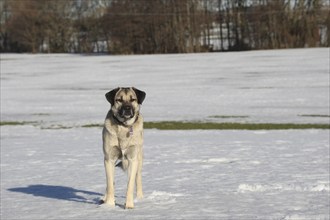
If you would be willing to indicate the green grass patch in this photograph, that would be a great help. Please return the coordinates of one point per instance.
(228, 116)
(180, 125)
(41, 114)
(177, 125)
(57, 127)
(15, 123)
(92, 125)
(316, 116)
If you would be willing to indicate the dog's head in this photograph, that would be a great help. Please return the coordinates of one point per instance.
(125, 103)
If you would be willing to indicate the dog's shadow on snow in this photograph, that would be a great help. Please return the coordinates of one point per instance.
(59, 192)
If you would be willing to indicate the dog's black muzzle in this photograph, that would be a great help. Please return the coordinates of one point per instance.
(126, 111)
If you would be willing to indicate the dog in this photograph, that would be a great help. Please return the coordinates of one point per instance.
(123, 140)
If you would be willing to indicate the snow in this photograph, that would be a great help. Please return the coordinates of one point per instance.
(198, 174)
(58, 174)
(279, 86)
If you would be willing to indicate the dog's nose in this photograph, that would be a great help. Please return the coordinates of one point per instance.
(126, 110)
(127, 107)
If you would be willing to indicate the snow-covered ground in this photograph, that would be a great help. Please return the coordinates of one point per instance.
(199, 174)
(58, 174)
(277, 86)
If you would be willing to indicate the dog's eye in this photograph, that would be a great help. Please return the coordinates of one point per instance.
(133, 100)
(119, 100)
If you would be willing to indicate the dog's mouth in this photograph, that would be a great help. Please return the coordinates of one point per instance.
(126, 112)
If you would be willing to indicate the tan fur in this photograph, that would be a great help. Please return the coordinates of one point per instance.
(123, 140)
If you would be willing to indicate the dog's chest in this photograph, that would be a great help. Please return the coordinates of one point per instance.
(125, 137)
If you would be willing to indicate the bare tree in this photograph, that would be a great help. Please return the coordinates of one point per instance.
(154, 26)
(161, 26)
(4, 17)
(26, 25)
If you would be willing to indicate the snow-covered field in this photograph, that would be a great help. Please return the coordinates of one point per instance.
(277, 86)
(198, 174)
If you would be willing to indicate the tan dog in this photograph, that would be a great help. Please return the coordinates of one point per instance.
(123, 139)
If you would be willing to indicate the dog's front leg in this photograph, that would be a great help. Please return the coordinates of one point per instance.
(139, 192)
(132, 171)
(109, 197)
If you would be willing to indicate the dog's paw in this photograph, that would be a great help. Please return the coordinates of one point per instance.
(129, 206)
(139, 195)
(107, 202)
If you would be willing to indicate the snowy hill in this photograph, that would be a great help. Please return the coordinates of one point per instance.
(262, 86)
(198, 174)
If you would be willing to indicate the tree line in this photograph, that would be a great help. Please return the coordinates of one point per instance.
(161, 26)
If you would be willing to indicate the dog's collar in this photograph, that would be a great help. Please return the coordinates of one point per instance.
(125, 125)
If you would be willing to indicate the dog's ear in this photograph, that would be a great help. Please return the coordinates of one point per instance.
(140, 95)
(111, 95)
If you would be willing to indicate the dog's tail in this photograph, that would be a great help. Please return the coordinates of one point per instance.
(123, 164)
